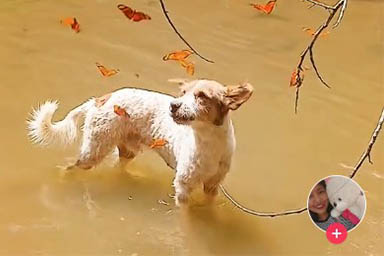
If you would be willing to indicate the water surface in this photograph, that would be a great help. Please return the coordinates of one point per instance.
(279, 156)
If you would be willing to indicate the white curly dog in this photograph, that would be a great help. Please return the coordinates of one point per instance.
(196, 126)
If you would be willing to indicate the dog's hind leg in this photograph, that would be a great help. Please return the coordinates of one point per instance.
(92, 153)
(95, 147)
(125, 155)
(128, 149)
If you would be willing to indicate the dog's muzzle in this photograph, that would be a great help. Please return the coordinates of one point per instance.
(179, 118)
(174, 106)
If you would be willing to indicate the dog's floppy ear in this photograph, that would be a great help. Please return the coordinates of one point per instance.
(236, 95)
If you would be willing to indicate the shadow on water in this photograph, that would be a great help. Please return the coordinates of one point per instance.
(220, 232)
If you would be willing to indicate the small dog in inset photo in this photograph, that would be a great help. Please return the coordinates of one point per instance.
(195, 130)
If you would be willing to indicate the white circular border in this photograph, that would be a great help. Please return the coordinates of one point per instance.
(365, 199)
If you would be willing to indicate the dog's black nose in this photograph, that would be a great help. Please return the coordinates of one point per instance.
(174, 106)
(334, 204)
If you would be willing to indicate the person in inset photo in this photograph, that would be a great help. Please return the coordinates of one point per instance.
(336, 199)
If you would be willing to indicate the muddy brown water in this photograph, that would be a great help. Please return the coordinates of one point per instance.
(279, 156)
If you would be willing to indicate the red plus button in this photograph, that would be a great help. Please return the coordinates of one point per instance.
(336, 233)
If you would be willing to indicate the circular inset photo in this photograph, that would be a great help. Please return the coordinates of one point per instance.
(336, 199)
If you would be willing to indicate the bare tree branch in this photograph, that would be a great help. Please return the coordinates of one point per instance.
(367, 153)
(332, 11)
(341, 14)
(298, 211)
(178, 33)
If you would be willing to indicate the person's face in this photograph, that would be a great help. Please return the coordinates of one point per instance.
(318, 200)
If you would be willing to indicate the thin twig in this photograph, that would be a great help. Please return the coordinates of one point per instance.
(315, 68)
(367, 153)
(332, 11)
(180, 36)
(313, 2)
(260, 214)
(298, 211)
(296, 98)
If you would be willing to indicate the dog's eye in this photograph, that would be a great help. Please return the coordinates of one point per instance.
(339, 199)
(201, 95)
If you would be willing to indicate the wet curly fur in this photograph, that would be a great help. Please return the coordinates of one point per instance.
(196, 125)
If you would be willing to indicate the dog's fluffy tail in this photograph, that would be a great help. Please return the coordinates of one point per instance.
(42, 131)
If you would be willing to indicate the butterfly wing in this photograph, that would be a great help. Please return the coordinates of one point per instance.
(268, 8)
(158, 143)
(190, 69)
(67, 21)
(189, 66)
(120, 111)
(106, 72)
(112, 72)
(171, 56)
(102, 69)
(128, 12)
(75, 25)
(71, 22)
(258, 7)
(139, 16)
(181, 55)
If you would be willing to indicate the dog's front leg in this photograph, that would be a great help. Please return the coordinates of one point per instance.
(211, 185)
(187, 178)
(182, 189)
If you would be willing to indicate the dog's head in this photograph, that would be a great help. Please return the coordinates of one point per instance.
(207, 101)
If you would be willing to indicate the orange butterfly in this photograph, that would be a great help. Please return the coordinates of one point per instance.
(296, 78)
(106, 72)
(268, 8)
(133, 14)
(181, 55)
(120, 111)
(312, 32)
(102, 100)
(72, 22)
(157, 143)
